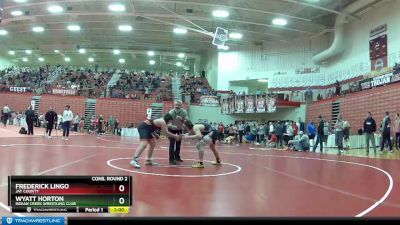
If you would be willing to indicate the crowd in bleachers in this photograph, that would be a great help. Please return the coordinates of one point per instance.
(195, 87)
(24, 77)
(143, 85)
(93, 83)
(85, 81)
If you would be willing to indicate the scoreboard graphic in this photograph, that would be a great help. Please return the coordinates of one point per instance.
(74, 194)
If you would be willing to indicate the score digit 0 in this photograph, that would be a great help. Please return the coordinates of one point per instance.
(121, 201)
(121, 188)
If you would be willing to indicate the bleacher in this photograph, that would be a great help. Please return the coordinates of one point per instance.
(102, 84)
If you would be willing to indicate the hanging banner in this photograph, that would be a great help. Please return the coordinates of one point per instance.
(225, 106)
(260, 102)
(250, 104)
(239, 104)
(271, 104)
(232, 108)
(378, 53)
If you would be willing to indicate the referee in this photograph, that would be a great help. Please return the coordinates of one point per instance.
(179, 115)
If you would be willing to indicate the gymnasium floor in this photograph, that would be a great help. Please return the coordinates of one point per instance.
(252, 182)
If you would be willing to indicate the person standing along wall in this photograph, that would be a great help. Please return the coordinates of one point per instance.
(320, 135)
(385, 130)
(370, 129)
(241, 131)
(30, 115)
(326, 133)
(301, 125)
(6, 114)
(311, 132)
(51, 118)
(346, 134)
(279, 134)
(339, 134)
(67, 118)
(111, 125)
(396, 131)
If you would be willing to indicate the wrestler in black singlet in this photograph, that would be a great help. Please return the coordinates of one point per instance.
(208, 129)
(146, 131)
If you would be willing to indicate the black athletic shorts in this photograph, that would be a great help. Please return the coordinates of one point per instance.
(214, 136)
(146, 131)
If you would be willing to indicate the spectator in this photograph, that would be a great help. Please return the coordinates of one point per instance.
(385, 130)
(311, 131)
(260, 134)
(346, 134)
(81, 124)
(301, 143)
(320, 134)
(67, 118)
(339, 134)
(6, 114)
(301, 125)
(30, 115)
(76, 121)
(51, 118)
(273, 141)
(370, 129)
(396, 130)
(221, 130)
(289, 132)
(337, 88)
(326, 132)
(100, 125)
(111, 124)
(279, 130)
(241, 131)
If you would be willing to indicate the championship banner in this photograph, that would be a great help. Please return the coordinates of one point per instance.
(209, 101)
(260, 102)
(18, 89)
(378, 53)
(61, 91)
(239, 104)
(231, 102)
(225, 107)
(250, 104)
(271, 104)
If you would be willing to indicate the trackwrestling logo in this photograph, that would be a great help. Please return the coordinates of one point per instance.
(33, 220)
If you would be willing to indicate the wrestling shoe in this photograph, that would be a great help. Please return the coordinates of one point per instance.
(135, 164)
(151, 163)
(216, 163)
(198, 165)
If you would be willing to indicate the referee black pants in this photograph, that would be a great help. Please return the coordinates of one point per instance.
(174, 146)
